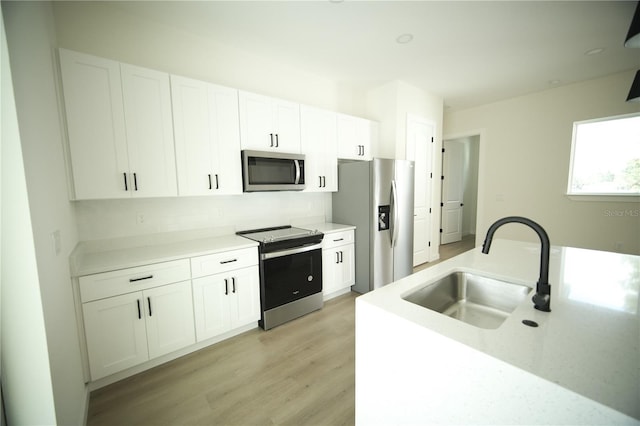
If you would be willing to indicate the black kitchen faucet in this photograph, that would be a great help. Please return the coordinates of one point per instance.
(542, 298)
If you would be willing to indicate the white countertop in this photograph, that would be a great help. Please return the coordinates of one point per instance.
(96, 257)
(590, 341)
(92, 257)
(328, 227)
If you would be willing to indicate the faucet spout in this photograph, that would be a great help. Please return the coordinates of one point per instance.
(542, 298)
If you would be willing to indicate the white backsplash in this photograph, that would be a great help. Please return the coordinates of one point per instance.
(105, 219)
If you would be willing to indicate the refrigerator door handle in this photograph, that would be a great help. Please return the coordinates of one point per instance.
(394, 212)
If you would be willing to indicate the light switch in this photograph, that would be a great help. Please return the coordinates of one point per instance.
(55, 240)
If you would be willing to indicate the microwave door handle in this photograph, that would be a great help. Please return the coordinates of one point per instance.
(297, 163)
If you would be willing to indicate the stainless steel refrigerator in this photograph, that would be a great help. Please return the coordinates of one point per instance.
(377, 197)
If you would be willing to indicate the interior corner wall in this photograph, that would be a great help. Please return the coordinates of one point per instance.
(525, 155)
(26, 377)
(31, 45)
(382, 106)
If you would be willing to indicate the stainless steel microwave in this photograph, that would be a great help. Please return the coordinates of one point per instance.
(272, 171)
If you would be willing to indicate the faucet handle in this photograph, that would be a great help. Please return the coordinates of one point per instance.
(542, 302)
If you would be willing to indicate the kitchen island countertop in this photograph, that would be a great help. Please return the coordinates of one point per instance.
(581, 365)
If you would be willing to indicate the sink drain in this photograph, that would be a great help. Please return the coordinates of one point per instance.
(530, 323)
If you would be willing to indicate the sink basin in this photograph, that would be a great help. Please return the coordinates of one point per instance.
(480, 301)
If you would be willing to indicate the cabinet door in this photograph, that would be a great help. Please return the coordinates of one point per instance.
(149, 127)
(256, 122)
(347, 276)
(95, 122)
(211, 305)
(207, 137)
(338, 268)
(354, 137)
(169, 311)
(319, 144)
(223, 119)
(246, 301)
(286, 118)
(194, 148)
(116, 334)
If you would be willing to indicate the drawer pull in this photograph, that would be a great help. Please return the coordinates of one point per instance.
(226, 286)
(222, 262)
(133, 280)
(149, 303)
(139, 313)
(339, 239)
(233, 282)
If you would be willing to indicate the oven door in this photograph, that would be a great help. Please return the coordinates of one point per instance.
(290, 275)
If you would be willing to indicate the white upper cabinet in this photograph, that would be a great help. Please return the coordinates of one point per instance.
(207, 138)
(95, 124)
(147, 113)
(269, 124)
(355, 137)
(120, 128)
(319, 145)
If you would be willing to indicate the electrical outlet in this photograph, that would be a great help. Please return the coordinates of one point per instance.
(140, 219)
(618, 246)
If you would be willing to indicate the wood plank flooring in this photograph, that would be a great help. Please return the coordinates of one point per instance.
(300, 373)
(448, 251)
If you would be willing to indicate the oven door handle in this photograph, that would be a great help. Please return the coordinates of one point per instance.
(295, 250)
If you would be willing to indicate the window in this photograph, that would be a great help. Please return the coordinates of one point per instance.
(605, 157)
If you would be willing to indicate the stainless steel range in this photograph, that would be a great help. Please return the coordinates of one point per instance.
(290, 272)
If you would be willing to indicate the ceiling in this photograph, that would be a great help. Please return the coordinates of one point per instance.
(470, 53)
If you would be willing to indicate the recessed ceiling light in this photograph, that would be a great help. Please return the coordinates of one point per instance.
(555, 82)
(594, 51)
(404, 38)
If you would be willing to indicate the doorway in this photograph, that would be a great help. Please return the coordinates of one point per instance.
(460, 161)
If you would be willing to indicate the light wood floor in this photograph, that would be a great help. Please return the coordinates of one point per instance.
(300, 373)
(448, 251)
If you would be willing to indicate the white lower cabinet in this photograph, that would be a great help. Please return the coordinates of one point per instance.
(126, 330)
(226, 301)
(338, 262)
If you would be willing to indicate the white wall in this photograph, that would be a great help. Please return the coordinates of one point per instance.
(31, 43)
(524, 164)
(221, 215)
(26, 376)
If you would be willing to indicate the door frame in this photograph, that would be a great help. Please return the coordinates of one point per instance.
(480, 207)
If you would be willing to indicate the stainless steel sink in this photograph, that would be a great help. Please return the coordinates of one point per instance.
(480, 301)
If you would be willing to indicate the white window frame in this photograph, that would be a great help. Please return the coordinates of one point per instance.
(583, 196)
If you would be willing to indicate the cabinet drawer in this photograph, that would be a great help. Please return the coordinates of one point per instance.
(99, 286)
(336, 239)
(221, 262)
